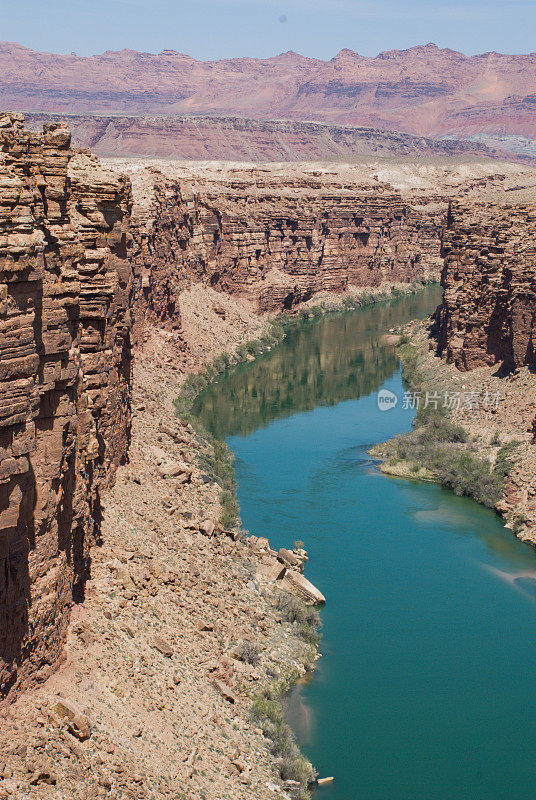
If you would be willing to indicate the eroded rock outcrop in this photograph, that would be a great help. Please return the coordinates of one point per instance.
(277, 243)
(65, 367)
(488, 314)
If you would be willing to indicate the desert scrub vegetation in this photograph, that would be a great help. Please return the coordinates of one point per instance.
(218, 461)
(305, 618)
(442, 449)
(248, 652)
(519, 522)
(267, 712)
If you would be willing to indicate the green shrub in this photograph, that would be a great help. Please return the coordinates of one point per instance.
(265, 708)
(293, 609)
(435, 427)
(222, 362)
(309, 633)
(218, 461)
(241, 351)
(254, 347)
(230, 509)
(496, 439)
(277, 331)
(306, 618)
(296, 768)
(520, 521)
(504, 460)
(467, 474)
(267, 712)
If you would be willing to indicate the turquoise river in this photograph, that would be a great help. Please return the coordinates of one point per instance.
(426, 688)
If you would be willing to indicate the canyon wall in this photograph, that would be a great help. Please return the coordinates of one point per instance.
(277, 243)
(65, 367)
(240, 139)
(69, 296)
(81, 272)
(78, 278)
(488, 314)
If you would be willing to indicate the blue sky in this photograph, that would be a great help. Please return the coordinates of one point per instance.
(210, 29)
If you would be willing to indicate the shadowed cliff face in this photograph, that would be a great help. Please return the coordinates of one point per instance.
(65, 368)
(488, 314)
(321, 363)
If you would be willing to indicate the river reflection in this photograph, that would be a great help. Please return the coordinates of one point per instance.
(321, 363)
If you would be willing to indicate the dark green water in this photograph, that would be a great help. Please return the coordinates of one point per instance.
(426, 688)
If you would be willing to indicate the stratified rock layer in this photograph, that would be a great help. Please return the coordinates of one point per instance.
(424, 90)
(488, 314)
(279, 243)
(240, 139)
(65, 370)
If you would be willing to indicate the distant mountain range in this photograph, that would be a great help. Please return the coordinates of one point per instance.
(424, 90)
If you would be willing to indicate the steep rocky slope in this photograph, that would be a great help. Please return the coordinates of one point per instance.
(239, 139)
(424, 90)
(169, 602)
(65, 375)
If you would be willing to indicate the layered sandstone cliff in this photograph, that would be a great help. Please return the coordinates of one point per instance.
(278, 234)
(278, 242)
(488, 314)
(65, 365)
(486, 327)
(242, 139)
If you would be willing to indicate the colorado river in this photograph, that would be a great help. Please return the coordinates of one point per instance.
(425, 689)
